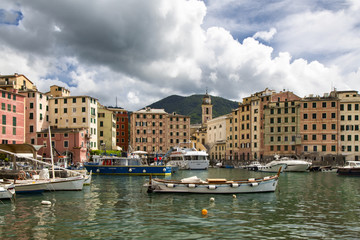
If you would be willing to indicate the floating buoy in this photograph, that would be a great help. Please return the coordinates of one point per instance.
(212, 199)
(204, 212)
(234, 196)
(44, 202)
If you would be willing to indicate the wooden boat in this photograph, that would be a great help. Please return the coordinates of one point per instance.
(218, 185)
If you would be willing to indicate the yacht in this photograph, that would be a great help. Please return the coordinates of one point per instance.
(188, 158)
(292, 165)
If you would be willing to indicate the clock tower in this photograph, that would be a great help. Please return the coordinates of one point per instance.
(206, 108)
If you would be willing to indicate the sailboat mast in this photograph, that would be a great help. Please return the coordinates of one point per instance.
(51, 154)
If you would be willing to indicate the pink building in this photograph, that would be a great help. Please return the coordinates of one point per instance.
(71, 142)
(12, 117)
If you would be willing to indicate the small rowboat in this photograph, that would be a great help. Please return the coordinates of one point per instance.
(218, 185)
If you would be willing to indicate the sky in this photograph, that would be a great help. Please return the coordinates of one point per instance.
(131, 53)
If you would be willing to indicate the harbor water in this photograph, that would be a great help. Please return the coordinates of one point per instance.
(305, 205)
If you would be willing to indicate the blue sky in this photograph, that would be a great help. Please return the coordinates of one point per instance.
(140, 51)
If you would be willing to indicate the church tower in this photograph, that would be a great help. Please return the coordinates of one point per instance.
(206, 108)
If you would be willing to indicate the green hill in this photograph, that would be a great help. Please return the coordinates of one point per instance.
(191, 106)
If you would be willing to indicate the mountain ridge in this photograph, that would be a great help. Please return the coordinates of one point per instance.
(191, 106)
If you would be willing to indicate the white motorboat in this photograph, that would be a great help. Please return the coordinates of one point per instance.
(351, 168)
(293, 165)
(218, 185)
(188, 158)
(272, 167)
(7, 191)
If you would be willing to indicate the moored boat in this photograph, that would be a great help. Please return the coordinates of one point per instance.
(188, 159)
(218, 185)
(7, 191)
(113, 165)
(351, 168)
(293, 165)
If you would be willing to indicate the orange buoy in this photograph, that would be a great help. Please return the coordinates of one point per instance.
(204, 212)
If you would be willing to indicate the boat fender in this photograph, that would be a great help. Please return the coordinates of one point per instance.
(212, 187)
(97, 170)
(164, 169)
(266, 178)
(44, 202)
(130, 170)
(191, 185)
(212, 199)
(254, 184)
(144, 171)
(170, 185)
(251, 179)
(234, 185)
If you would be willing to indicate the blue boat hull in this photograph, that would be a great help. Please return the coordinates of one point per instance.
(128, 170)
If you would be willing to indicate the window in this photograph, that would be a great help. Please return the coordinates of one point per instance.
(14, 122)
(324, 115)
(66, 144)
(314, 116)
(305, 116)
(74, 100)
(4, 119)
(314, 104)
(74, 119)
(83, 109)
(349, 107)
(65, 110)
(305, 105)
(324, 137)
(324, 104)
(56, 110)
(31, 128)
(31, 116)
(314, 126)
(3, 106)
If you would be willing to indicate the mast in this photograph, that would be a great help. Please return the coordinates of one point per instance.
(51, 154)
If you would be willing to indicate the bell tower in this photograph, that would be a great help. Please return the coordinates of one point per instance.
(206, 108)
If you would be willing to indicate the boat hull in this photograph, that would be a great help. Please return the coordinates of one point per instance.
(272, 168)
(297, 168)
(29, 186)
(128, 170)
(231, 188)
(349, 171)
(66, 184)
(7, 192)
(190, 164)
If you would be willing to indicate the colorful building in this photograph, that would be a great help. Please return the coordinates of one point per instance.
(106, 128)
(70, 142)
(12, 114)
(155, 131)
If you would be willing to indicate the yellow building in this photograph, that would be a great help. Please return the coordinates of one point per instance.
(16, 81)
(106, 128)
(75, 112)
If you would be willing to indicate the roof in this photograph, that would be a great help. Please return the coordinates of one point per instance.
(20, 148)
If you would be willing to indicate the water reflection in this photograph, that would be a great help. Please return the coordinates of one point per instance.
(306, 205)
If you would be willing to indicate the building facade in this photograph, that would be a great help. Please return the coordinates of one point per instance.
(155, 131)
(12, 114)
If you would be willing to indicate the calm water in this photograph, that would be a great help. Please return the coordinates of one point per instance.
(305, 205)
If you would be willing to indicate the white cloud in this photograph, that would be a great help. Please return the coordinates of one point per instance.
(266, 36)
(158, 48)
